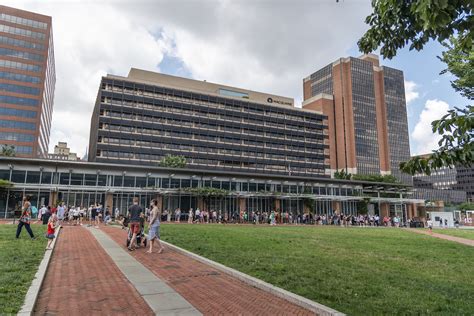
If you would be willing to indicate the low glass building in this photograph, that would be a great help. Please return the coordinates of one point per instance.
(78, 183)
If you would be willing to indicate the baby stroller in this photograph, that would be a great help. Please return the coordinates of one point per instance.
(140, 236)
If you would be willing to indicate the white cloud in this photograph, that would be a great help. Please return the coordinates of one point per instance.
(262, 45)
(411, 92)
(424, 139)
(90, 41)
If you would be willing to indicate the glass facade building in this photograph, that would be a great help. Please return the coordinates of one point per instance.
(78, 183)
(141, 118)
(367, 117)
(27, 81)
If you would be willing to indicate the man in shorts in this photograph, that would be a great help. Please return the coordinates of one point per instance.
(134, 212)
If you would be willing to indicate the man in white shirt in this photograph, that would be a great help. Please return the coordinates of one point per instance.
(42, 211)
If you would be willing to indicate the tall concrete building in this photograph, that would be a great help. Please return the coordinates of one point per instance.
(145, 116)
(367, 117)
(27, 81)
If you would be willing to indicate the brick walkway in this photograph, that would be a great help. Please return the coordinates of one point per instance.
(208, 289)
(83, 280)
(445, 237)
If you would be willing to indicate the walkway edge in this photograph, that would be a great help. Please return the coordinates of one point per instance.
(317, 308)
(35, 287)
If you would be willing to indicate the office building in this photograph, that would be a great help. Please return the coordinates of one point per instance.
(452, 185)
(82, 183)
(145, 116)
(367, 117)
(465, 181)
(27, 81)
(62, 152)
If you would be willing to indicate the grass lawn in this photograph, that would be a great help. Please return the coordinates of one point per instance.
(19, 260)
(463, 233)
(354, 270)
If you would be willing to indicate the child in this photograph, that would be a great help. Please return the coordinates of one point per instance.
(430, 225)
(51, 228)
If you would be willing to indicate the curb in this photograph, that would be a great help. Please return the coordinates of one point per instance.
(317, 308)
(35, 287)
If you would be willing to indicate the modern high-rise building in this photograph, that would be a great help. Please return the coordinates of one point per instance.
(27, 81)
(141, 118)
(367, 117)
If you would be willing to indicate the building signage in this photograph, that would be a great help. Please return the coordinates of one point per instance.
(271, 100)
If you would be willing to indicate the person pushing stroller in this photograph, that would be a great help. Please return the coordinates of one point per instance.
(135, 215)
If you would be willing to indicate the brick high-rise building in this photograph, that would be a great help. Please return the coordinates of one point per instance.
(27, 81)
(367, 117)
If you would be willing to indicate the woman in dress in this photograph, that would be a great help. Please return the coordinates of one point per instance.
(25, 218)
(154, 233)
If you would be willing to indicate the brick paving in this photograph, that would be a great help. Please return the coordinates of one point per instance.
(83, 280)
(208, 289)
(460, 240)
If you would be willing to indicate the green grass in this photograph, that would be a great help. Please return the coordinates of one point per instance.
(19, 260)
(354, 270)
(463, 233)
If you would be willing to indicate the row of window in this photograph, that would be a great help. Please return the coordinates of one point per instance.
(193, 114)
(24, 150)
(19, 89)
(20, 66)
(215, 127)
(88, 179)
(17, 137)
(196, 135)
(16, 112)
(23, 21)
(18, 101)
(20, 54)
(243, 153)
(207, 162)
(20, 43)
(22, 32)
(17, 125)
(227, 104)
(19, 77)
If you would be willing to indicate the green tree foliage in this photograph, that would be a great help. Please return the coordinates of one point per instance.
(375, 178)
(172, 161)
(395, 24)
(208, 191)
(466, 206)
(5, 184)
(456, 143)
(343, 175)
(7, 151)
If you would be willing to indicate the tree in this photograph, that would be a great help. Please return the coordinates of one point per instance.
(171, 161)
(7, 151)
(343, 175)
(395, 24)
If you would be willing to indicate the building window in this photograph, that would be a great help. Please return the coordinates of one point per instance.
(21, 32)
(20, 43)
(18, 125)
(8, 87)
(232, 93)
(17, 65)
(19, 54)
(23, 21)
(19, 77)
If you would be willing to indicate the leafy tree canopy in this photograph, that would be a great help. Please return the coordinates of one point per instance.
(395, 24)
(172, 161)
(7, 151)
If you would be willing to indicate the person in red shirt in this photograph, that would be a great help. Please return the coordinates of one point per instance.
(52, 225)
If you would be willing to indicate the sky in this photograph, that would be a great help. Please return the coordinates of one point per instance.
(263, 45)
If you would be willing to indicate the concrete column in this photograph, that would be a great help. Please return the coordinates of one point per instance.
(384, 210)
(159, 201)
(109, 202)
(242, 204)
(200, 203)
(277, 204)
(53, 198)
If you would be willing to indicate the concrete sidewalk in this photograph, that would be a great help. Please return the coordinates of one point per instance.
(460, 240)
(206, 288)
(161, 298)
(83, 280)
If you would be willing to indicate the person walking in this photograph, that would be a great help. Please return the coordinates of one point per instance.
(134, 212)
(154, 233)
(52, 225)
(25, 218)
